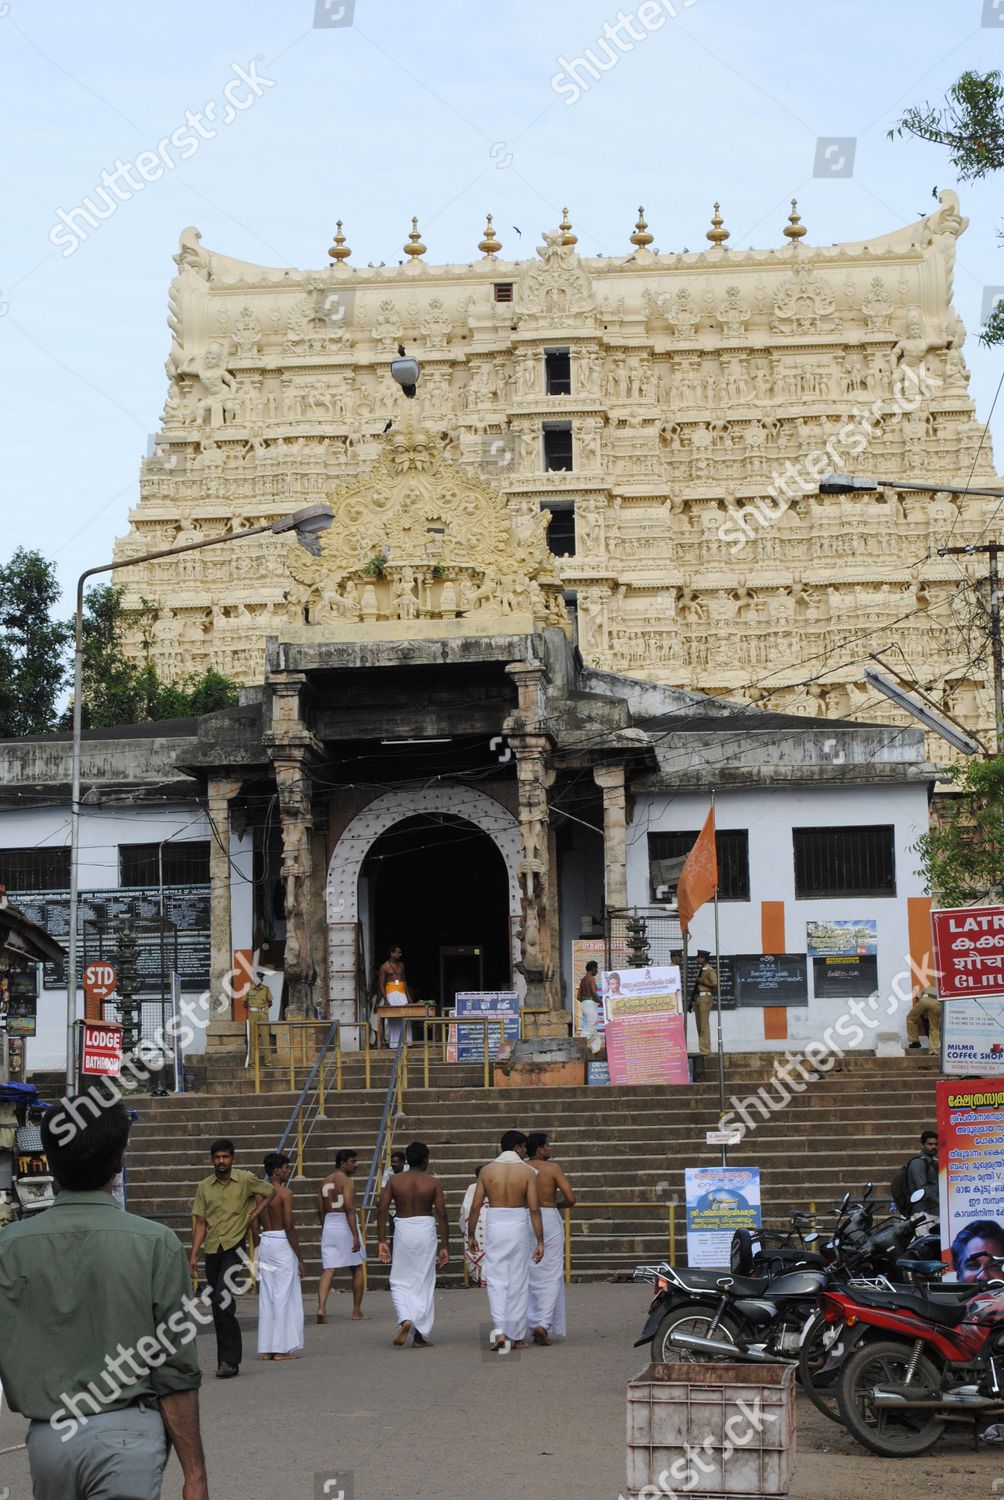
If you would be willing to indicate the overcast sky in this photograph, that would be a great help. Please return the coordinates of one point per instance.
(445, 110)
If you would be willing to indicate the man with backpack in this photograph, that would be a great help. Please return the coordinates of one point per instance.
(920, 1171)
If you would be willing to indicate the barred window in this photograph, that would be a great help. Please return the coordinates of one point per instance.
(733, 849)
(35, 869)
(183, 863)
(858, 861)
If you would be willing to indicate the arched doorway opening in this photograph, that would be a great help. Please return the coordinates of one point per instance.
(437, 884)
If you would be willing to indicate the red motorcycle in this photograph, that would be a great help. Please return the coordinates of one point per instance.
(907, 1363)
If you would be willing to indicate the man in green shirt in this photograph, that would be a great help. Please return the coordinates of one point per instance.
(224, 1206)
(98, 1326)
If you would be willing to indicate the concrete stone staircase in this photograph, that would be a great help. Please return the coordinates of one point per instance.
(626, 1147)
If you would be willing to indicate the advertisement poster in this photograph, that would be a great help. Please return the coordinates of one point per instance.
(857, 937)
(496, 1005)
(642, 992)
(22, 1001)
(584, 950)
(972, 1037)
(969, 951)
(720, 1200)
(971, 1172)
(647, 1049)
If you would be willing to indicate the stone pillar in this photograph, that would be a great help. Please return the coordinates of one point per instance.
(610, 779)
(536, 873)
(292, 748)
(225, 1034)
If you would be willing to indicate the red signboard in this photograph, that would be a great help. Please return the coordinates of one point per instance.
(969, 951)
(100, 980)
(101, 1049)
(647, 1049)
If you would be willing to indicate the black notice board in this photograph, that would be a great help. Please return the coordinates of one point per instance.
(726, 979)
(853, 977)
(772, 979)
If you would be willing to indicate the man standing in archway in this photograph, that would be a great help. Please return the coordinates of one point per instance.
(394, 990)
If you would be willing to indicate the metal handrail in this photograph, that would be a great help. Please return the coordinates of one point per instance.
(382, 1138)
(316, 1081)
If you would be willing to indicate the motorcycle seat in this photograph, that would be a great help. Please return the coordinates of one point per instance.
(948, 1311)
(724, 1281)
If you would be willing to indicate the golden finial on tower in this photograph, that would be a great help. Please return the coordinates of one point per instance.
(339, 250)
(641, 236)
(717, 234)
(414, 246)
(794, 229)
(489, 244)
(567, 237)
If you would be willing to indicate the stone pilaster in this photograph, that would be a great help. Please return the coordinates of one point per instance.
(610, 779)
(225, 1033)
(292, 748)
(530, 745)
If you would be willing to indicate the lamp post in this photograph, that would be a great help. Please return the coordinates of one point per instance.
(306, 522)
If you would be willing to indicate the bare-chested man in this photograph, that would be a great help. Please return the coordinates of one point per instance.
(341, 1244)
(511, 1189)
(420, 1224)
(393, 987)
(280, 1266)
(546, 1314)
(588, 997)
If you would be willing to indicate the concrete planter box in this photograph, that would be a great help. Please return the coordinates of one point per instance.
(711, 1430)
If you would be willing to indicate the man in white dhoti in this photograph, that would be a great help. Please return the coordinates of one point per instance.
(341, 1242)
(511, 1189)
(394, 990)
(421, 1244)
(546, 1314)
(280, 1267)
(474, 1259)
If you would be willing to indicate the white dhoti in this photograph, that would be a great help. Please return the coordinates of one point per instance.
(395, 1028)
(547, 1276)
(413, 1271)
(336, 1243)
(280, 1299)
(507, 1269)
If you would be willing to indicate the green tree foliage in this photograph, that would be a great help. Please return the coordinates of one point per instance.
(961, 855)
(32, 645)
(118, 690)
(970, 123)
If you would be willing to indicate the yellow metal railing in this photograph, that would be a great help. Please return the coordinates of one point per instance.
(292, 1028)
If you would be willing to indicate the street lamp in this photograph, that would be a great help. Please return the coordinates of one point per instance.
(850, 484)
(306, 522)
(955, 735)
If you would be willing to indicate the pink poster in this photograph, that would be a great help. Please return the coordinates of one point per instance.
(648, 1049)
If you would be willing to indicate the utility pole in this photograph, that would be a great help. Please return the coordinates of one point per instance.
(992, 551)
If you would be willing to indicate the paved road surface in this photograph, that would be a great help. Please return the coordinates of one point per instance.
(454, 1422)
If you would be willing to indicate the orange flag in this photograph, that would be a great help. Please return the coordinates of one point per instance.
(699, 876)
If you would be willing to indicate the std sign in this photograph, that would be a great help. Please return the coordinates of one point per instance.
(101, 1050)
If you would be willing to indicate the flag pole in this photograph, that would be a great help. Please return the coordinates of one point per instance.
(718, 999)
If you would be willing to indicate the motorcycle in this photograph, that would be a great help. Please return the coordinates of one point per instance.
(907, 1363)
(708, 1315)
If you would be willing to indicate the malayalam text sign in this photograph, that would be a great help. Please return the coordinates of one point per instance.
(971, 1163)
(720, 1200)
(652, 990)
(972, 1037)
(969, 951)
(647, 1049)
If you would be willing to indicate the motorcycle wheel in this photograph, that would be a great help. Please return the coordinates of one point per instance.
(890, 1433)
(815, 1347)
(694, 1318)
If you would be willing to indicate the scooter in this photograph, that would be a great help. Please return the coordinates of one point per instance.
(907, 1363)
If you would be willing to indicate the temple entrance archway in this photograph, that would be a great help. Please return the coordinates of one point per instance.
(419, 868)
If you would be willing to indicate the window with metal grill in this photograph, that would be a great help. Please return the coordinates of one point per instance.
(503, 291)
(561, 530)
(733, 849)
(859, 861)
(557, 446)
(558, 372)
(35, 869)
(183, 863)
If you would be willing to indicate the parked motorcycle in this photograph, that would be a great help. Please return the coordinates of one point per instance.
(907, 1363)
(709, 1315)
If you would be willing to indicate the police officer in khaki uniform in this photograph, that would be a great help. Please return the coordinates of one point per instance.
(703, 998)
(258, 1000)
(927, 1004)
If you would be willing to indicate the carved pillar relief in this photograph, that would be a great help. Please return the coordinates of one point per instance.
(610, 779)
(291, 747)
(219, 795)
(530, 745)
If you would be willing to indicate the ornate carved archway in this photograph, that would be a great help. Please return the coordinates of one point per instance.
(342, 886)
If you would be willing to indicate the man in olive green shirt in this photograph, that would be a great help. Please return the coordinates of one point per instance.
(98, 1326)
(224, 1206)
